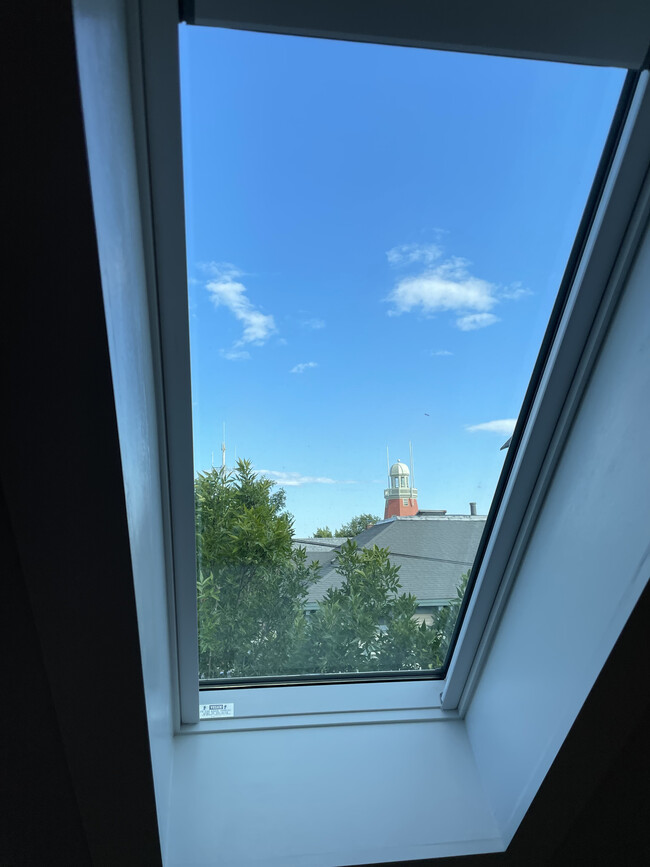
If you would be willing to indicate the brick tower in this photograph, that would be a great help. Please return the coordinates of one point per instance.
(401, 498)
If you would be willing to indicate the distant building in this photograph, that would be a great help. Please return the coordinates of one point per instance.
(432, 553)
(432, 549)
(401, 499)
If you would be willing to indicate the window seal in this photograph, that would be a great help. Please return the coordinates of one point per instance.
(313, 707)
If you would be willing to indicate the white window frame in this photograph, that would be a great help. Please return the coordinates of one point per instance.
(537, 440)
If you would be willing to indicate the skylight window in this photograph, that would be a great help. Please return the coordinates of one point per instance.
(376, 236)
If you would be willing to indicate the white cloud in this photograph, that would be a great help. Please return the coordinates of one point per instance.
(408, 254)
(447, 287)
(301, 368)
(442, 352)
(234, 354)
(314, 324)
(294, 480)
(227, 292)
(503, 426)
(474, 321)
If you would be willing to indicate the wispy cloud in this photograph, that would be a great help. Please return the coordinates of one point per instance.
(257, 326)
(515, 292)
(220, 270)
(408, 254)
(294, 480)
(503, 426)
(313, 324)
(226, 290)
(441, 352)
(234, 354)
(301, 368)
(474, 321)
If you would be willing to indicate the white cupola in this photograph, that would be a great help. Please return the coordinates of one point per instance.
(399, 475)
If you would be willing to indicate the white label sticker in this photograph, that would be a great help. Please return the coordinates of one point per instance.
(216, 711)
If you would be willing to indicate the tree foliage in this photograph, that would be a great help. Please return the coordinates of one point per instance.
(366, 623)
(356, 525)
(253, 585)
(353, 527)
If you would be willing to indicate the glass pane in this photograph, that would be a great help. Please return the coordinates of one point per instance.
(375, 238)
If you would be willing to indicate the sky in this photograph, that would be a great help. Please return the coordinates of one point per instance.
(375, 238)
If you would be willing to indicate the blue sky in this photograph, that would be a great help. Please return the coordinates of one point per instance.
(375, 238)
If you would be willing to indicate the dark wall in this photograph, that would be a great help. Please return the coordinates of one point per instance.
(75, 777)
(40, 821)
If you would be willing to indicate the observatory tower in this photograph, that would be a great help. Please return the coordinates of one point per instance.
(401, 498)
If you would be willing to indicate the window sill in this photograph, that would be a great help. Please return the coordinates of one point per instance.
(349, 704)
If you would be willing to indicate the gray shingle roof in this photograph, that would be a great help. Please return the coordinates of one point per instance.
(314, 544)
(432, 553)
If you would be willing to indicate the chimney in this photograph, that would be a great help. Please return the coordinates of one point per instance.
(472, 508)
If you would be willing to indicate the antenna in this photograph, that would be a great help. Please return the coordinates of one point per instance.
(412, 473)
(223, 448)
(388, 466)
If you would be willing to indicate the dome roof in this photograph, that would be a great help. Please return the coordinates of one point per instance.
(399, 469)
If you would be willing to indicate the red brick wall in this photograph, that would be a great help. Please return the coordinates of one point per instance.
(396, 507)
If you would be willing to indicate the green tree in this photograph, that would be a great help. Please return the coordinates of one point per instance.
(446, 617)
(252, 583)
(366, 624)
(323, 533)
(357, 525)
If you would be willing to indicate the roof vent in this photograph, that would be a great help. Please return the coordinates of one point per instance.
(472, 508)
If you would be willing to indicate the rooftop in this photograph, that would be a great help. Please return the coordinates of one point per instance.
(433, 552)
